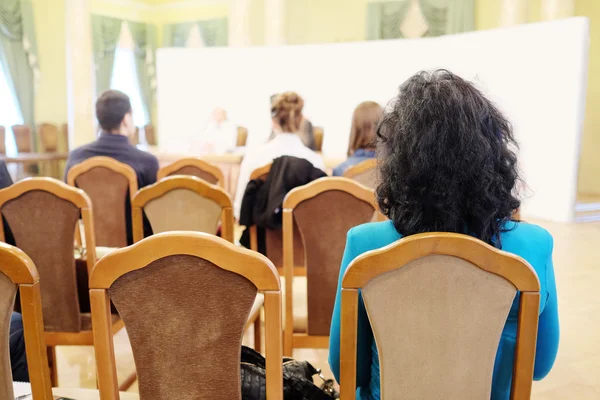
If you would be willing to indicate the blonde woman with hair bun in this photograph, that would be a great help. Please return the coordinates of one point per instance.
(287, 120)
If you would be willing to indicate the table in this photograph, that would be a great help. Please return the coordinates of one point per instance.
(32, 158)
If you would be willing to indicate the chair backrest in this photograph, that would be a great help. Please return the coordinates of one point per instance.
(182, 203)
(65, 133)
(2, 140)
(109, 184)
(195, 167)
(150, 134)
(17, 271)
(242, 136)
(22, 135)
(437, 304)
(42, 214)
(134, 139)
(49, 137)
(364, 172)
(324, 211)
(318, 133)
(200, 287)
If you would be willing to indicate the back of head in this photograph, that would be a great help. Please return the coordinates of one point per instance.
(446, 159)
(365, 118)
(286, 111)
(111, 108)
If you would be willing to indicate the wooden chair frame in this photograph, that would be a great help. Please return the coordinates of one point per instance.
(79, 199)
(296, 196)
(361, 167)
(319, 134)
(509, 266)
(254, 267)
(105, 162)
(193, 162)
(196, 185)
(19, 268)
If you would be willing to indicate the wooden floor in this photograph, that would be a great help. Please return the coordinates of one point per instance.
(576, 374)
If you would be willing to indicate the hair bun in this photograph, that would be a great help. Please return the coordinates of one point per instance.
(287, 110)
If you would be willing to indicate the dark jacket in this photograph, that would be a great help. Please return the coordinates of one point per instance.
(262, 202)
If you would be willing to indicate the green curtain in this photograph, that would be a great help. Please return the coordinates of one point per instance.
(144, 37)
(18, 54)
(448, 16)
(384, 19)
(214, 32)
(105, 35)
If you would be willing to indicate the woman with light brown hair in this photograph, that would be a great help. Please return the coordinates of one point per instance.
(361, 145)
(286, 116)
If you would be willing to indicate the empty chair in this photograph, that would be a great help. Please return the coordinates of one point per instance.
(23, 140)
(150, 134)
(364, 172)
(182, 203)
(242, 136)
(65, 134)
(42, 214)
(2, 140)
(324, 211)
(135, 138)
(195, 167)
(319, 133)
(437, 304)
(198, 287)
(49, 136)
(17, 272)
(110, 184)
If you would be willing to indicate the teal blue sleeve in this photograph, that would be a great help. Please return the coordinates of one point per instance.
(365, 335)
(548, 328)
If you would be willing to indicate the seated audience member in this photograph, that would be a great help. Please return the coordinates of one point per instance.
(286, 113)
(114, 114)
(18, 358)
(447, 164)
(361, 145)
(306, 131)
(220, 134)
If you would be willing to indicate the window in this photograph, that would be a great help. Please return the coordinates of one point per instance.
(10, 114)
(125, 79)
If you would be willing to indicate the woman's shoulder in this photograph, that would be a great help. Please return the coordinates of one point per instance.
(372, 235)
(525, 234)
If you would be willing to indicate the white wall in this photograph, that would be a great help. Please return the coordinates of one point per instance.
(535, 73)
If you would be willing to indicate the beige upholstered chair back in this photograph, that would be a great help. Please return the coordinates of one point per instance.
(242, 136)
(110, 184)
(437, 315)
(194, 167)
(364, 173)
(182, 203)
(2, 140)
(22, 138)
(150, 135)
(49, 136)
(197, 287)
(18, 271)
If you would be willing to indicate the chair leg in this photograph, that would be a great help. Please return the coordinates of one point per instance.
(52, 365)
(257, 334)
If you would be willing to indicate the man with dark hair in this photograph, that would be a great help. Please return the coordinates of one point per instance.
(114, 114)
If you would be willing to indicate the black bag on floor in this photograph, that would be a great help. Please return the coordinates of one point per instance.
(297, 379)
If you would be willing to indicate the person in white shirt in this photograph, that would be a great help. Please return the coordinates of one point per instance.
(286, 113)
(219, 135)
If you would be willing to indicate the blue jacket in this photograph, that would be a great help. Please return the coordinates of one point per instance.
(359, 156)
(531, 242)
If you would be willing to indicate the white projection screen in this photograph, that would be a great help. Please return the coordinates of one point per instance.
(535, 73)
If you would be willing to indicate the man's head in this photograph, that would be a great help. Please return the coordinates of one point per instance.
(113, 110)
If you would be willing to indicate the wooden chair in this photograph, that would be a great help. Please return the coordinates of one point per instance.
(274, 239)
(437, 305)
(324, 211)
(182, 203)
(49, 136)
(318, 133)
(134, 139)
(242, 136)
(200, 286)
(2, 140)
(195, 167)
(364, 172)
(65, 133)
(111, 185)
(23, 140)
(17, 271)
(42, 214)
(150, 134)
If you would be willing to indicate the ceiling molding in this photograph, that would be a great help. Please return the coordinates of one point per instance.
(160, 7)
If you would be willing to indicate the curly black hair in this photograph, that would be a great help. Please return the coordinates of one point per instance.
(447, 159)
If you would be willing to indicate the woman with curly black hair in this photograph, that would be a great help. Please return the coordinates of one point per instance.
(447, 163)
